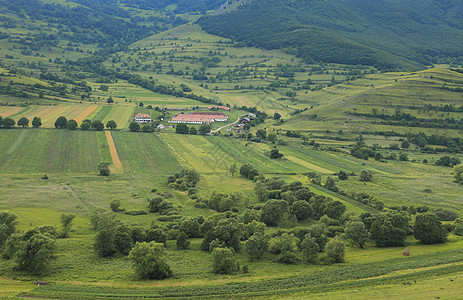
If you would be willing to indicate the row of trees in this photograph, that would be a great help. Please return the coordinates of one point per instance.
(62, 122)
(23, 122)
(184, 129)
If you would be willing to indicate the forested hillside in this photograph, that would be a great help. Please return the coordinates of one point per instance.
(388, 34)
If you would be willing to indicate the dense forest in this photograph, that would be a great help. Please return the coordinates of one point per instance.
(387, 34)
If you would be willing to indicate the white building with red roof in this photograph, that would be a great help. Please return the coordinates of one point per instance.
(143, 118)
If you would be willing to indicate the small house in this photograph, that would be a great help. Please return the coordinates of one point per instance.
(143, 118)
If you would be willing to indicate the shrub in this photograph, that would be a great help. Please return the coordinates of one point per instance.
(224, 262)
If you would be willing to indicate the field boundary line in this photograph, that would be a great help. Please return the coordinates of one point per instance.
(114, 156)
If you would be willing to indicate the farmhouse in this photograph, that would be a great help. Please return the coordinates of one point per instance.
(143, 118)
(219, 107)
(199, 118)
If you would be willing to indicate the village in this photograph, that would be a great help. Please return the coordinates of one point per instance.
(197, 116)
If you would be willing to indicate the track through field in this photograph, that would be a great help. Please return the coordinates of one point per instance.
(114, 156)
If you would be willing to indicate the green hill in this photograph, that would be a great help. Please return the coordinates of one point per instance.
(387, 34)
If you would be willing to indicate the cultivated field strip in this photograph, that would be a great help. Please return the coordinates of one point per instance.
(114, 156)
(144, 153)
(84, 114)
(7, 111)
(38, 151)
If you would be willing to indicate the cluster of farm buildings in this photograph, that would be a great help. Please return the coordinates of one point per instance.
(195, 117)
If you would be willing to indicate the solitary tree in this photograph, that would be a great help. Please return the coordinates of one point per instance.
(275, 154)
(24, 122)
(276, 116)
(103, 169)
(61, 122)
(149, 261)
(110, 100)
(36, 122)
(233, 168)
(366, 175)
(111, 124)
(428, 229)
(134, 126)
(224, 262)
(66, 221)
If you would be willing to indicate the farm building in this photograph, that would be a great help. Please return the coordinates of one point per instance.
(143, 118)
(199, 118)
(219, 107)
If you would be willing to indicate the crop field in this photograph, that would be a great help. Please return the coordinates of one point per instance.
(41, 151)
(145, 153)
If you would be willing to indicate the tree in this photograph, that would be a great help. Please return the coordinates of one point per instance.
(182, 129)
(134, 126)
(193, 130)
(34, 251)
(123, 241)
(97, 125)
(115, 205)
(343, 175)
(405, 144)
(8, 222)
(356, 233)
(310, 248)
(257, 245)
(106, 235)
(24, 122)
(156, 235)
(146, 128)
(366, 175)
(110, 100)
(223, 261)
(103, 169)
(389, 229)
(71, 125)
(301, 209)
(261, 191)
(36, 122)
(335, 250)
(204, 129)
(66, 222)
(61, 122)
(276, 116)
(272, 137)
(111, 124)
(86, 124)
(428, 229)
(149, 261)
(182, 241)
(233, 168)
(458, 227)
(261, 134)
(403, 157)
(273, 211)
(458, 173)
(330, 184)
(275, 154)
(8, 123)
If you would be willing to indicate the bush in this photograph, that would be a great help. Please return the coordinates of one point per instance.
(149, 261)
(224, 261)
(335, 250)
(115, 205)
(366, 175)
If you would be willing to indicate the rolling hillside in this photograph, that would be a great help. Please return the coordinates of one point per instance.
(387, 34)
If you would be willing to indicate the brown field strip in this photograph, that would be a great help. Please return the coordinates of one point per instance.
(8, 111)
(85, 113)
(114, 156)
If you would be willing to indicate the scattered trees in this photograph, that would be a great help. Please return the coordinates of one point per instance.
(149, 261)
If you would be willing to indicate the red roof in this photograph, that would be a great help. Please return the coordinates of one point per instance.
(142, 116)
(220, 107)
